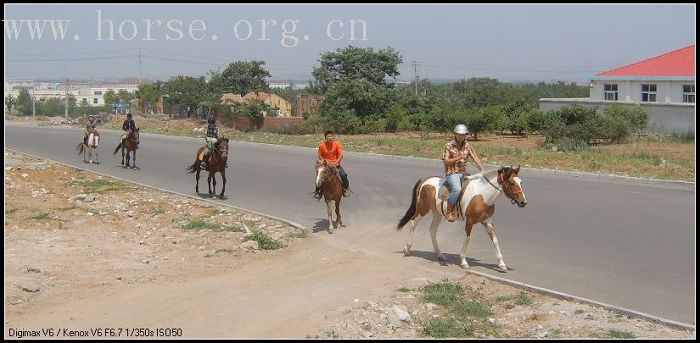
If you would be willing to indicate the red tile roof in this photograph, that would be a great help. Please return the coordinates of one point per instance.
(679, 62)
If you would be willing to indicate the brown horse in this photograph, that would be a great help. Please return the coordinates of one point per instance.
(129, 144)
(89, 146)
(476, 204)
(331, 187)
(216, 164)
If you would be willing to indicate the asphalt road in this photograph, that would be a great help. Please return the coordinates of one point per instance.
(628, 244)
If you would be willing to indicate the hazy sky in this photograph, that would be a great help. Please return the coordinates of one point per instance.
(509, 42)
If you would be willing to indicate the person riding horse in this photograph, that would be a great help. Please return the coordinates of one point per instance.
(454, 158)
(211, 139)
(128, 126)
(332, 151)
(89, 127)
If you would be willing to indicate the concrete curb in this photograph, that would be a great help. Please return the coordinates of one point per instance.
(291, 223)
(565, 296)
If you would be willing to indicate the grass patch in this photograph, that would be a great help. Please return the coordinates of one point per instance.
(72, 207)
(200, 225)
(404, 289)
(228, 251)
(158, 211)
(464, 319)
(11, 210)
(579, 311)
(523, 299)
(41, 216)
(264, 241)
(99, 186)
(620, 334)
(446, 294)
(556, 333)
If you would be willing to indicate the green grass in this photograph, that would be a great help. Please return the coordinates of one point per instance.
(404, 289)
(99, 186)
(579, 311)
(41, 216)
(11, 210)
(231, 228)
(228, 251)
(264, 241)
(72, 207)
(620, 334)
(300, 234)
(556, 333)
(464, 319)
(523, 299)
(200, 225)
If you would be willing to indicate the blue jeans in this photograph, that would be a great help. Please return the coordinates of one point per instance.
(455, 182)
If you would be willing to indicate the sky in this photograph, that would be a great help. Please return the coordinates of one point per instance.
(510, 42)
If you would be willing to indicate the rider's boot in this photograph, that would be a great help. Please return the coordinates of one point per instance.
(317, 193)
(450, 209)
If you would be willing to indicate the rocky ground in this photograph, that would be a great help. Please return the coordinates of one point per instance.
(73, 234)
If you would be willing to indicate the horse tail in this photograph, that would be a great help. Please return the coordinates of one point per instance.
(80, 148)
(411, 209)
(117, 149)
(193, 168)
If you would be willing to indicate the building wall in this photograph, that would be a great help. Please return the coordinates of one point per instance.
(663, 118)
(667, 91)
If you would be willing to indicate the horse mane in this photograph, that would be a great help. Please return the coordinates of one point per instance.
(485, 174)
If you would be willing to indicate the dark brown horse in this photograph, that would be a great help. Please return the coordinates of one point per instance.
(216, 164)
(331, 187)
(129, 144)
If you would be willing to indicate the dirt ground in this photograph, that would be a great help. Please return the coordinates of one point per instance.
(77, 244)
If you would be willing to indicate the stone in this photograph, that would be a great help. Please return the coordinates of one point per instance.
(90, 198)
(401, 314)
(250, 245)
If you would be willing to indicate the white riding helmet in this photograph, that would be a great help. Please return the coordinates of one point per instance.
(461, 129)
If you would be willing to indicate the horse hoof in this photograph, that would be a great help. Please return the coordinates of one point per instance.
(503, 268)
(464, 266)
(330, 231)
(406, 252)
(442, 258)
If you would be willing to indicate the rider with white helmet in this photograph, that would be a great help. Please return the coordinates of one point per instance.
(454, 158)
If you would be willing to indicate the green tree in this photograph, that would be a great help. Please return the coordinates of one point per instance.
(254, 111)
(149, 94)
(186, 92)
(10, 103)
(240, 77)
(354, 63)
(635, 117)
(110, 98)
(24, 102)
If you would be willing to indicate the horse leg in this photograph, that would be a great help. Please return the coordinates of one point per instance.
(412, 225)
(209, 183)
(123, 156)
(133, 164)
(213, 180)
(492, 233)
(337, 214)
(223, 188)
(437, 218)
(468, 229)
(331, 225)
(196, 187)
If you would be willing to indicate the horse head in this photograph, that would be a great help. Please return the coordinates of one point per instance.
(94, 139)
(322, 169)
(512, 185)
(222, 147)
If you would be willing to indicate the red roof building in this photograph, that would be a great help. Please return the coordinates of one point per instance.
(677, 63)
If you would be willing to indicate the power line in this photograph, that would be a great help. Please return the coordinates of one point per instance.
(69, 59)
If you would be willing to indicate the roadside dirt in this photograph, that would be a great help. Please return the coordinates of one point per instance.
(83, 251)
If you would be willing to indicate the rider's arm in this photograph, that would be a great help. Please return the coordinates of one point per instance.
(341, 153)
(476, 158)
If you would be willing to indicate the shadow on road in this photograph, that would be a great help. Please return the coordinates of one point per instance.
(453, 259)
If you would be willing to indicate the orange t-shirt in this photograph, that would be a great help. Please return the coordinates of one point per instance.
(330, 151)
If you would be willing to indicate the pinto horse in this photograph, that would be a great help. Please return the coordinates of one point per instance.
(331, 188)
(476, 204)
(129, 144)
(87, 147)
(216, 164)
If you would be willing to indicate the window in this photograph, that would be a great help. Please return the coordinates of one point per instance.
(84, 101)
(649, 93)
(98, 93)
(689, 93)
(610, 92)
(94, 100)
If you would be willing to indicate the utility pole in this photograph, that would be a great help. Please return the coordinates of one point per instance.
(415, 75)
(33, 106)
(139, 65)
(66, 112)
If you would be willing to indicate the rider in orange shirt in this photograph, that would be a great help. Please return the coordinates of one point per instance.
(332, 151)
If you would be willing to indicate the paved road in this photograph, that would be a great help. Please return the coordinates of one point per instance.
(619, 242)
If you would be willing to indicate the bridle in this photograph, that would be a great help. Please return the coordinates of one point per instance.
(328, 176)
(505, 187)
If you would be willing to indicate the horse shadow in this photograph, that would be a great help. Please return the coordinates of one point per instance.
(320, 225)
(211, 196)
(125, 167)
(453, 259)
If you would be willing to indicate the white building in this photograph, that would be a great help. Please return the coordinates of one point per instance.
(664, 85)
(280, 84)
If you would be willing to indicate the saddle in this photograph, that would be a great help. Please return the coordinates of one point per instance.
(446, 189)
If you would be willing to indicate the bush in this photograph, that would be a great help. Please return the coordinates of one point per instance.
(577, 114)
(481, 120)
(394, 117)
(614, 129)
(373, 124)
(538, 121)
(635, 117)
(343, 121)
